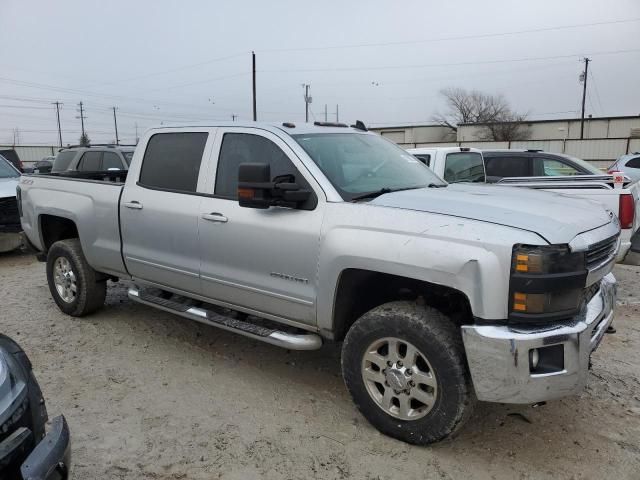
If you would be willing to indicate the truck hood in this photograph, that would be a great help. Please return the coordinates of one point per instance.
(555, 217)
(8, 187)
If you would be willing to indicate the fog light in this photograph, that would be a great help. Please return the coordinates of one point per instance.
(534, 358)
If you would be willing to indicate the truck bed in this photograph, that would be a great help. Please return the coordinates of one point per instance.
(90, 199)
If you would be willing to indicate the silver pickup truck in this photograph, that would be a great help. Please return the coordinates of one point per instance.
(298, 234)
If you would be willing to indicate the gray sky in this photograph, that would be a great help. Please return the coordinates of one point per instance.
(381, 61)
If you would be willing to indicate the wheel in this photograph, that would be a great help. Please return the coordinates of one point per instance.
(405, 368)
(76, 287)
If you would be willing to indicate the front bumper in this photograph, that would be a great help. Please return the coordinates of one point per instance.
(498, 356)
(51, 458)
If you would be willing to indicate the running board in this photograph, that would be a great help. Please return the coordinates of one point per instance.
(291, 341)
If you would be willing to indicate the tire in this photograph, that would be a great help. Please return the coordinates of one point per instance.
(90, 286)
(439, 370)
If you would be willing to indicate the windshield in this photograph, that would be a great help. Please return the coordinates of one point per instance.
(127, 157)
(362, 163)
(6, 170)
(464, 167)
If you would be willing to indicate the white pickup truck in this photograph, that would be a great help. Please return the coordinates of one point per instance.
(466, 164)
(300, 234)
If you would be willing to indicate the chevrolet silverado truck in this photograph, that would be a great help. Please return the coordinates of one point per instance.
(441, 294)
(552, 172)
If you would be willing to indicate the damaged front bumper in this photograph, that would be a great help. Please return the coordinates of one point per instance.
(518, 365)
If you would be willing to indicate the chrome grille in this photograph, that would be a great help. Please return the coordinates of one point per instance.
(601, 252)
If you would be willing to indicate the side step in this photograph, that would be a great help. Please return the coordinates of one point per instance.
(291, 341)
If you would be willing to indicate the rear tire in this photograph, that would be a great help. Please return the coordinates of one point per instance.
(421, 393)
(76, 287)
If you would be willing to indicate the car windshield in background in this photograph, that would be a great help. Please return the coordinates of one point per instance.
(584, 164)
(464, 167)
(127, 157)
(361, 163)
(62, 161)
(6, 170)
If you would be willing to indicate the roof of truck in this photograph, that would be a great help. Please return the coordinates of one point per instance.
(291, 128)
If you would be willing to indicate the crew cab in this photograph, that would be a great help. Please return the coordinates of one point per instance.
(296, 235)
(544, 171)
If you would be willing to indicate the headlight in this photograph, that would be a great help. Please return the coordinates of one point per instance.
(546, 283)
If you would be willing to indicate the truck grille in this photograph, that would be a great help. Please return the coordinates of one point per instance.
(600, 252)
(9, 211)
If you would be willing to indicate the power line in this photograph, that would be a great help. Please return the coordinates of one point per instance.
(427, 65)
(595, 88)
(444, 39)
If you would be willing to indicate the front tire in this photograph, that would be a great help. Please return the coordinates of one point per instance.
(404, 366)
(76, 287)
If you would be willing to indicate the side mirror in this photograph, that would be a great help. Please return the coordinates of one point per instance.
(254, 185)
(256, 190)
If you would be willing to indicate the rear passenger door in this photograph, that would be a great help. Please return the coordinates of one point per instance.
(159, 213)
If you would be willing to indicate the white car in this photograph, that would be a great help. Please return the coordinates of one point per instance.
(628, 164)
(9, 218)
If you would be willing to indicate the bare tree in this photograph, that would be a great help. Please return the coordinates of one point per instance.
(502, 123)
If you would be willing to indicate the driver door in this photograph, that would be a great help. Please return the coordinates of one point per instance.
(262, 260)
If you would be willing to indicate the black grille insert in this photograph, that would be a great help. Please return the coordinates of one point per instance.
(600, 252)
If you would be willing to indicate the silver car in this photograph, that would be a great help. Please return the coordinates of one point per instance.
(629, 164)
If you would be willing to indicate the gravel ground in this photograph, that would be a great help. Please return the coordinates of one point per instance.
(149, 395)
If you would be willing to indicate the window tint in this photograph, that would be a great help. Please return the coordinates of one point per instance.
(549, 167)
(634, 163)
(111, 160)
(424, 158)
(503, 166)
(62, 161)
(127, 157)
(464, 167)
(240, 148)
(90, 162)
(172, 161)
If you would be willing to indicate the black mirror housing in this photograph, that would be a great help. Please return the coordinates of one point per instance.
(254, 185)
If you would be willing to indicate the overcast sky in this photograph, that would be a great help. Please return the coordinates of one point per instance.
(382, 62)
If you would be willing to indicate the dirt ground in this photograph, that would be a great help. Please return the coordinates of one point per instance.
(150, 395)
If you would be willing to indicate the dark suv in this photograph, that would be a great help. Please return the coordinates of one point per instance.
(94, 158)
(500, 164)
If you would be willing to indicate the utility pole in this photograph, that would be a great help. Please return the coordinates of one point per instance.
(307, 101)
(137, 138)
(337, 114)
(584, 94)
(325, 112)
(255, 112)
(57, 104)
(233, 117)
(82, 117)
(115, 124)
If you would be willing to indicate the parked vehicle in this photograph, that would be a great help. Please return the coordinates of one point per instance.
(93, 158)
(27, 451)
(628, 164)
(10, 227)
(296, 235)
(12, 156)
(557, 173)
(43, 166)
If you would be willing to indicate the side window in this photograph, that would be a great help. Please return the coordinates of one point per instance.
(90, 162)
(63, 160)
(633, 163)
(550, 167)
(111, 160)
(504, 166)
(464, 167)
(424, 158)
(240, 148)
(172, 161)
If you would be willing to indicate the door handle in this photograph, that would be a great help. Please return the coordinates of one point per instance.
(134, 204)
(215, 217)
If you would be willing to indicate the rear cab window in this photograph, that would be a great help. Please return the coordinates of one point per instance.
(464, 167)
(172, 161)
(424, 158)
